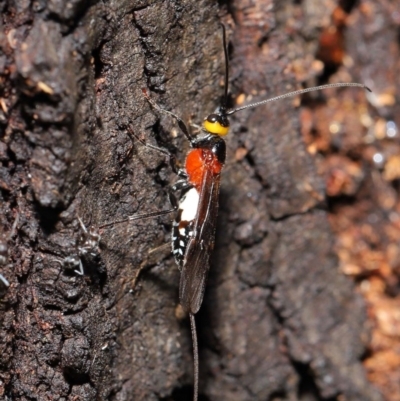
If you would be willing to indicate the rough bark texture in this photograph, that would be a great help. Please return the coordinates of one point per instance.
(278, 322)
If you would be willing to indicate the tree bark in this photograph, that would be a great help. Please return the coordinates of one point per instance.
(279, 321)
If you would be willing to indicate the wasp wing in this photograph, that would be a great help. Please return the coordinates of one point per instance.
(197, 256)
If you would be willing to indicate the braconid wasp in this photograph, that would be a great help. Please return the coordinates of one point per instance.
(193, 231)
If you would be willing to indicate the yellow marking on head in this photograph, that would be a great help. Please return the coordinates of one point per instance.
(215, 128)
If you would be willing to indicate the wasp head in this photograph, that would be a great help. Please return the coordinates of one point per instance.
(216, 124)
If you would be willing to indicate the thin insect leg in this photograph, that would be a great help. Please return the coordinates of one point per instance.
(181, 184)
(84, 229)
(180, 122)
(172, 159)
(142, 267)
(139, 216)
(179, 172)
(80, 271)
(195, 357)
(142, 216)
(148, 262)
(4, 249)
(4, 280)
(148, 145)
(90, 240)
(14, 226)
(73, 263)
(196, 126)
(173, 200)
(157, 248)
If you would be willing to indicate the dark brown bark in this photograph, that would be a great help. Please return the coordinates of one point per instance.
(279, 321)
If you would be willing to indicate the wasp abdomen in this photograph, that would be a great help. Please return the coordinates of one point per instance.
(182, 228)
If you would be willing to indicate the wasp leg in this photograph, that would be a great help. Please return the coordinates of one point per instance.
(172, 159)
(181, 185)
(180, 122)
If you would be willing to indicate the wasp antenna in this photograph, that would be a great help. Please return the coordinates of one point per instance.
(225, 99)
(298, 92)
(195, 357)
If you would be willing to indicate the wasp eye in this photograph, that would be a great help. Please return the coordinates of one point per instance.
(212, 118)
(216, 124)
